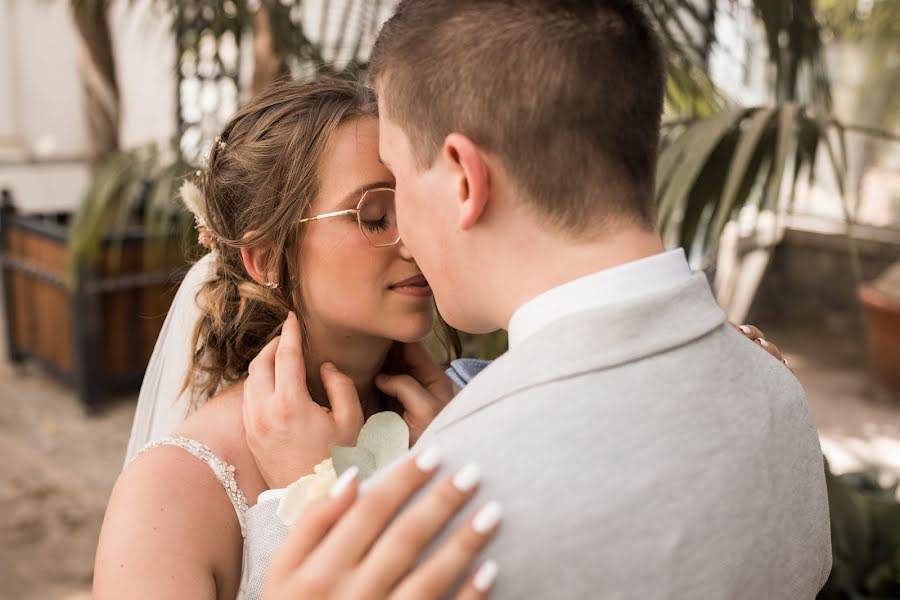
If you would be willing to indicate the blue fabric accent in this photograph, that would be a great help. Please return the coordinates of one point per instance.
(463, 370)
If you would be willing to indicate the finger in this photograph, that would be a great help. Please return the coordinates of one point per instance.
(435, 577)
(770, 348)
(403, 541)
(353, 536)
(260, 384)
(317, 520)
(414, 398)
(480, 583)
(751, 332)
(345, 407)
(290, 371)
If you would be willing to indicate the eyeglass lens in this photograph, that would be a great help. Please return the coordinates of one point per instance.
(377, 217)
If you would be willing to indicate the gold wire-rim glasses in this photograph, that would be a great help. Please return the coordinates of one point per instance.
(358, 213)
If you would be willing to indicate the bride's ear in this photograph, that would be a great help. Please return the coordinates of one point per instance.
(257, 262)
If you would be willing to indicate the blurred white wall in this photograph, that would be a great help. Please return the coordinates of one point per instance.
(40, 81)
(10, 135)
(145, 51)
(42, 133)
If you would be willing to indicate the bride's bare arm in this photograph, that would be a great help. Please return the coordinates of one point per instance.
(169, 532)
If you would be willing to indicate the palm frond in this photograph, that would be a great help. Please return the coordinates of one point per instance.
(130, 192)
(710, 169)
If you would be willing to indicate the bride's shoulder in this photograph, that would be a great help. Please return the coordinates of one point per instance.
(167, 518)
(167, 487)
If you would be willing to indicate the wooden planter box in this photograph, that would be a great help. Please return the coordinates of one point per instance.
(97, 334)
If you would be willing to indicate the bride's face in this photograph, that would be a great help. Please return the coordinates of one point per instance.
(347, 284)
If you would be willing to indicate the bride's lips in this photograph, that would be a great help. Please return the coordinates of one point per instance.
(414, 286)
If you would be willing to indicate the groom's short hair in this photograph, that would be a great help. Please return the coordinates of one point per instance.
(567, 93)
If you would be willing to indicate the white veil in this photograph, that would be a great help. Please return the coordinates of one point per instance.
(160, 407)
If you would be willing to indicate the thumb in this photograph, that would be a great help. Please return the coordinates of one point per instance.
(414, 398)
(345, 407)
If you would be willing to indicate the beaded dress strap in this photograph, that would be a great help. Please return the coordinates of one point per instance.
(223, 471)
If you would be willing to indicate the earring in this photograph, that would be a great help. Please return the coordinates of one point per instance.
(272, 285)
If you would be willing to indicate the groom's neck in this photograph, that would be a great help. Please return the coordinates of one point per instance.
(548, 260)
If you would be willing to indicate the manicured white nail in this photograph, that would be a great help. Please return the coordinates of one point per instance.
(745, 329)
(343, 481)
(467, 477)
(429, 459)
(485, 576)
(487, 518)
(763, 343)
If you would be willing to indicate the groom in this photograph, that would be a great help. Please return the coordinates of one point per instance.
(639, 446)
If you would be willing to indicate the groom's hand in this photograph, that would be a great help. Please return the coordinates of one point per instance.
(287, 431)
(424, 390)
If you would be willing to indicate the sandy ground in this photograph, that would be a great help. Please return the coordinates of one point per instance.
(58, 465)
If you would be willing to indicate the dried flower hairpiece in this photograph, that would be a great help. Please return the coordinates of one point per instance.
(194, 201)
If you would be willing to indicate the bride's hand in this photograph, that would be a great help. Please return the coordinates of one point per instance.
(287, 431)
(424, 390)
(758, 337)
(349, 547)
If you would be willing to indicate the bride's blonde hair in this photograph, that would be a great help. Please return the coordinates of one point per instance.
(261, 177)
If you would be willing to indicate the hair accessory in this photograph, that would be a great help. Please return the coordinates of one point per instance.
(221, 143)
(195, 202)
(272, 285)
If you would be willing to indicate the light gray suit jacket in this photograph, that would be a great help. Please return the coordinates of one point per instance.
(645, 450)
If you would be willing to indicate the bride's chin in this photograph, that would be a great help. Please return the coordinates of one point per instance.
(415, 330)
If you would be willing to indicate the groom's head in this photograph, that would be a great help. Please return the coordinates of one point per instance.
(498, 112)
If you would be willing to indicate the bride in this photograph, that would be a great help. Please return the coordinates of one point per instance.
(299, 215)
(299, 212)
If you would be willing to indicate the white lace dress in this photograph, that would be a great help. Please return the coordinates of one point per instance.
(225, 474)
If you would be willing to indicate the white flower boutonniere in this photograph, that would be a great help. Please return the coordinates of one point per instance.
(306, 489)
(382, 440)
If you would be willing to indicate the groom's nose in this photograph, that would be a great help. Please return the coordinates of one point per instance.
(404, 252)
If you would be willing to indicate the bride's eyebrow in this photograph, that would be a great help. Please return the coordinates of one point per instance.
(352, 199)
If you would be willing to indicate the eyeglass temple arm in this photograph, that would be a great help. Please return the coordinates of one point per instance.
(349, 211)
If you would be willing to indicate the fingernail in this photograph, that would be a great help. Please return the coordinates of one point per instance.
(292, 314)
(343, 481)
(487, 517)
(745, 329)
(329, 366)
(467, 477)
(429, 459)
(486, 575)
(763, 343)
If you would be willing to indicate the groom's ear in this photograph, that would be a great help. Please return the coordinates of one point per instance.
(472, 178)
(256, 261)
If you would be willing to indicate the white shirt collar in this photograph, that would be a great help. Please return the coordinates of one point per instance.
(618, 284)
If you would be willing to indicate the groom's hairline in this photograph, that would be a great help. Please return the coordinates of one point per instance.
(627, 169)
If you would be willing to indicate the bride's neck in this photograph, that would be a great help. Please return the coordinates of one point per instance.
(360, 358)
